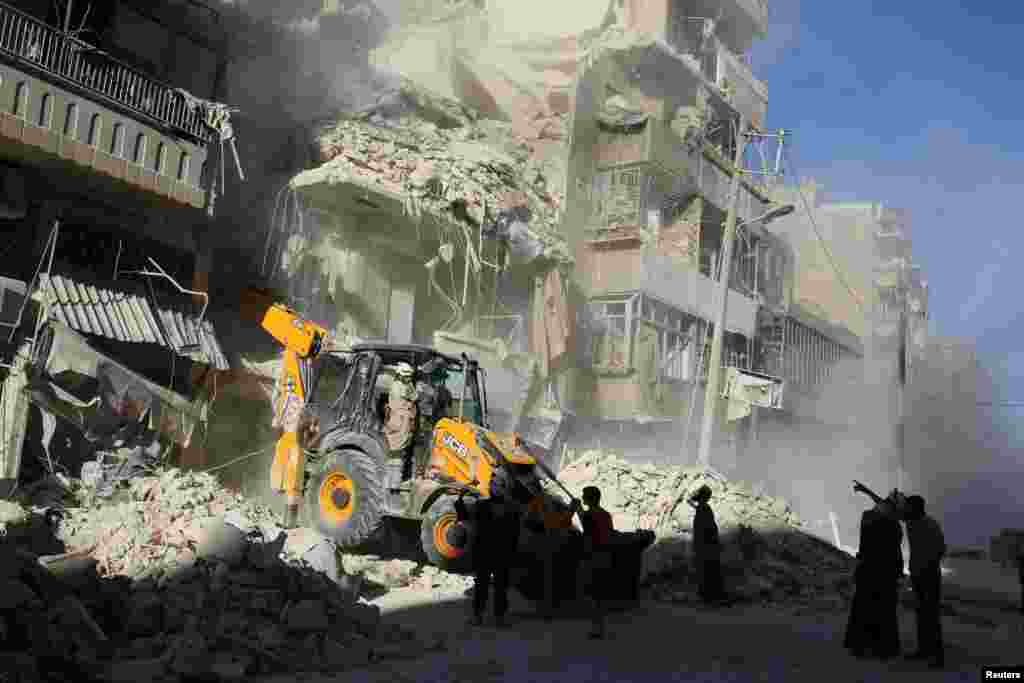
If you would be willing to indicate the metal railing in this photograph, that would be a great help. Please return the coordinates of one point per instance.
(46, 48)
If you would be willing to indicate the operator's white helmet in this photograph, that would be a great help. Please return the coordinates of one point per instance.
(404, 371)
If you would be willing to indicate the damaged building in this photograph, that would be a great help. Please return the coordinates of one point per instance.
(107, 121)
(853, 337)
(425, 224)
(656, 116)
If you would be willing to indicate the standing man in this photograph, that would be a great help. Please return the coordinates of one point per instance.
(707, 548)
(927, 548)
(597, 540)
(550, 522)
(873, 626)
(496, 521)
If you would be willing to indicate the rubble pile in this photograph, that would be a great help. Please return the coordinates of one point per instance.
(442, 160)
(766, 554)
(176, 578)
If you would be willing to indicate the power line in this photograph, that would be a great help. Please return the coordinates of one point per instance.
(814, 225)
(1001, 404)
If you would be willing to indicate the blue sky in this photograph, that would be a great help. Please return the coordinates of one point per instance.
(917, 107)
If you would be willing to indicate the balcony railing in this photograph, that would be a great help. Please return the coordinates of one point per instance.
(47, 49)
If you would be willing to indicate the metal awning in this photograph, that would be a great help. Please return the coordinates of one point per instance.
(123, 311)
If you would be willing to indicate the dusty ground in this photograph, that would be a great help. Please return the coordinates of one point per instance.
(659, 642)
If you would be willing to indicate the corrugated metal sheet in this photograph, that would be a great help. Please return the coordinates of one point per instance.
(123, 311)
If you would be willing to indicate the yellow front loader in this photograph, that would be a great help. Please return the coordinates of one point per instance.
(332, 405)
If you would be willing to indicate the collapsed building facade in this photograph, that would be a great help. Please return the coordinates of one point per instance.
(551, 204)
(107, 126)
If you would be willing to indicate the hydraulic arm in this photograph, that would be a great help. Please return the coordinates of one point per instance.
(302, 340)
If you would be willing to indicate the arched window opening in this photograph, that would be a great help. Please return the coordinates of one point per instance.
(139, 153)
(95, 126)
(45, 111)
(117, 140)
(183, 167)
(20, 99)
(71, 120)
(158, 161)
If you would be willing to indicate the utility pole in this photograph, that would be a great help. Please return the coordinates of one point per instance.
(715, 360)
(903, 377)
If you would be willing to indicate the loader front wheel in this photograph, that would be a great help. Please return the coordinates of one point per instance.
(446, 542)
(345, 498)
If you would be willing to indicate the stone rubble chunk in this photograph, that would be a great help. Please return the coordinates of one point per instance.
(221, 541)
(187, 580)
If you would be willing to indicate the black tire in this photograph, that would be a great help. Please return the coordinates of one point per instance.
(362, 477)
(440, 516)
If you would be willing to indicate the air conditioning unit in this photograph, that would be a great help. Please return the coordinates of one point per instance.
(753, 388)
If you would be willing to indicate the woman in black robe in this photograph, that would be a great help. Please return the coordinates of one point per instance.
(873, 627)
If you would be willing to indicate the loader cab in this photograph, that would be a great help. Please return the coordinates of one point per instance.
(458, 379)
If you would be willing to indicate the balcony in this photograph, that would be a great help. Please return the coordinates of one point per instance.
(61, 59)
(620, 271)
(659, 145)
(64, 106)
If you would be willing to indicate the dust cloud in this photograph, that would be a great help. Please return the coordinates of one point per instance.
(964, 461)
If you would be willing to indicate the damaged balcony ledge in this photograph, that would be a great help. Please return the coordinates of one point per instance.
(645, 58)
(656, 144)
(666, 279)
(410, 171)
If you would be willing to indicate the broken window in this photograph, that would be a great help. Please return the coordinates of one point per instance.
(673, 332)
(617, 195)
(611, 342)
(735, 351)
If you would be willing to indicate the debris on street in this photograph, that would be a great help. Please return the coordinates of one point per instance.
(174, 578)
(766, 552)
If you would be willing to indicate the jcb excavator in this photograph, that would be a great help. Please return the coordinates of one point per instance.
(332, 405)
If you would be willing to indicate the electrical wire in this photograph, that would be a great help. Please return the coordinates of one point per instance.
(817, 232)
(247, 456)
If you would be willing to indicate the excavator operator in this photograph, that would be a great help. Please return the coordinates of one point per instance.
(400, 426)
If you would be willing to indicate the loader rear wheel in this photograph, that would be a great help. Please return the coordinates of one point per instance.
(345, 499)
(446, 542)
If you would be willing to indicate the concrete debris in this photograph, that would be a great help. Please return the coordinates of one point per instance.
(11, 514)
(766, 555)
(397, 573)
(182, 579)
(442, 163)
